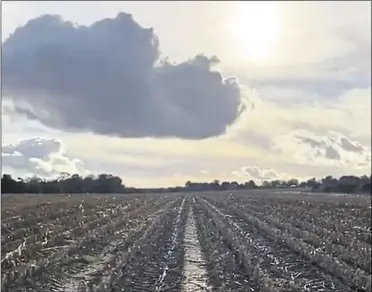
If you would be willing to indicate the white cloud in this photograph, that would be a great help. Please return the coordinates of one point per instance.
(334, 149)
(257, 174)
(349, 114)
(44, 157)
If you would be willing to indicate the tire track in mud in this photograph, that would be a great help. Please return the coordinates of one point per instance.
(195, 274)
(156, 261)
(283, 264)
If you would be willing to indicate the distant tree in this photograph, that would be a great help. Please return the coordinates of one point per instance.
(216, 182)
(366, 187)
(267, 184)
(225, 185)
(234, 185)
(302, 184)
(249, 185)
(347, 184)
(311, 182)
(8, 184)
(293, 182)
(327, 178)
(188, 184)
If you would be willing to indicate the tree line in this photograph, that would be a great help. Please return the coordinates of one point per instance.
(103, 183)
(108, 183)
(328, 184)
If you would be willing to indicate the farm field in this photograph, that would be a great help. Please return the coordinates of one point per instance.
(245, 241)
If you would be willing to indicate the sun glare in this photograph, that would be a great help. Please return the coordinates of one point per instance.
(256, 29)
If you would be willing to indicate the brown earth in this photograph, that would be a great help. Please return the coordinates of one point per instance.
(185, 242)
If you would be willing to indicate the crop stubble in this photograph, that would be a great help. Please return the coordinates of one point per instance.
(185, 242)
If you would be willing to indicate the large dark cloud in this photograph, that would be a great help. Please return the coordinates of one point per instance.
(107, 78)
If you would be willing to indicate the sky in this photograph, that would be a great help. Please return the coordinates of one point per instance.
(160, 93)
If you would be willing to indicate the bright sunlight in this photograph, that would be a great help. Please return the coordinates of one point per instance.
(256, 29)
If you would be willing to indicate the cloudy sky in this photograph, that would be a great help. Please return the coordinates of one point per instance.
(164, 92)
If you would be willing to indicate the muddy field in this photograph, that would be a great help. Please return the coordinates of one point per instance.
(185, 242)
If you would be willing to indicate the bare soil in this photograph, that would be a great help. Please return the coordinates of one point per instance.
(185, 242)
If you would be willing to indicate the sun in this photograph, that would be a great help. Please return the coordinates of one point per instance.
(255, 29)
